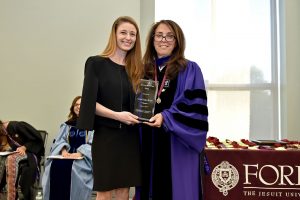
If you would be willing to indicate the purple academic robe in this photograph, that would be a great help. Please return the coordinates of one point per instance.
(186, 121)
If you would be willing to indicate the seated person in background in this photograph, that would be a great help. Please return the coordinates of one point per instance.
(72, 178)
(21, 137)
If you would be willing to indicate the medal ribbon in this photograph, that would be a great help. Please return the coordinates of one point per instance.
(163, 81)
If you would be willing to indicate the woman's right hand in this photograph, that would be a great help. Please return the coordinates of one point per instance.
(127, 118)
(155, 121)
(65, 153)
(123, 116)
(21, 150)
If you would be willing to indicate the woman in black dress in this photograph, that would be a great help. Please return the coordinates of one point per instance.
(109, 87)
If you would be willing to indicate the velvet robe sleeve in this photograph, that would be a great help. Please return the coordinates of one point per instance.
(82, 171)
(187, 117)
(89, 96)
(85, 149)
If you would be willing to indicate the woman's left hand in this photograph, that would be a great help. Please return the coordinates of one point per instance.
(155, 121)
(21, 150)
(75, 155)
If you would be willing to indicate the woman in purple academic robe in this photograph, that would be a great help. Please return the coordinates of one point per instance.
(175, 136)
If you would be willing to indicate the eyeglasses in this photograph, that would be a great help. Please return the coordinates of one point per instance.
(160, 37)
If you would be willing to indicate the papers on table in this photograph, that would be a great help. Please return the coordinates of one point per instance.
(5, 153)
(61, 157)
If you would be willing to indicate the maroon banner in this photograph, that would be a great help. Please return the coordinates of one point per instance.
(240, 174)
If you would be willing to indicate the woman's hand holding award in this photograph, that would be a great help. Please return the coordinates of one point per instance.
(145, 99)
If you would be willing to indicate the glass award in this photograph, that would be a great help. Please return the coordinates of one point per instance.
(145, 99)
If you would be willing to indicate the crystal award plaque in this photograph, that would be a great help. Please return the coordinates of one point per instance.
(145, 99)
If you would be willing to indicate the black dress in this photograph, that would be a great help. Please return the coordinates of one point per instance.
(115, 147)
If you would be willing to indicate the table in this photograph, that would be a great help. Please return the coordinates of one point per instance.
(243, 174)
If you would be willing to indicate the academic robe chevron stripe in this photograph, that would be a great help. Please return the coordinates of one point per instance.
(195, 123)
(193, 94)
(196, 108)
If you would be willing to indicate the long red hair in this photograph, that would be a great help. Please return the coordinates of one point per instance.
(133, 59)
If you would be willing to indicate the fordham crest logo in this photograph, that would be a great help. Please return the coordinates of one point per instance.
(225, 177)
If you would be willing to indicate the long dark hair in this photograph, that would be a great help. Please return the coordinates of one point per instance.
(3, 137)
(72, 115)
(177, 60)
(2, 128)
